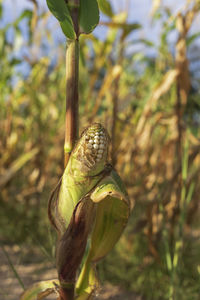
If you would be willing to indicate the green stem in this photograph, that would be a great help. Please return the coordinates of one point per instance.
(72, 73)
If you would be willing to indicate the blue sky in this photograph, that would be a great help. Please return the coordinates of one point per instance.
(139, 11)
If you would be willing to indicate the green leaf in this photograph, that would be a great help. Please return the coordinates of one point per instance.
(192, 38)
(105, 7)
(125, 26)
(142, 41)
(1, 10)
(60, 10)
(67, 30)
(89, 15)
(25, 14)
(15, 61)
(146, 42)
(40, 290)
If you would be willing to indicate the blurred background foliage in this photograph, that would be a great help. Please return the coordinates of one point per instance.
(151, 108)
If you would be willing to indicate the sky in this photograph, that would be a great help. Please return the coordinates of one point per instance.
(139, 11)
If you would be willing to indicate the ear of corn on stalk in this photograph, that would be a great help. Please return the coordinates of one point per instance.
(85, 168)
(89, 206)
(91, 198)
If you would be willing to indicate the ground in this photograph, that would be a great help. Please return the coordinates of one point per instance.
(31, 269)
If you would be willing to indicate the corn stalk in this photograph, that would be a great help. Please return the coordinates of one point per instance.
(90, 199)
(71, 125)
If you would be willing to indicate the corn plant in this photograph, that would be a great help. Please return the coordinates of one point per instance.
(89, 208)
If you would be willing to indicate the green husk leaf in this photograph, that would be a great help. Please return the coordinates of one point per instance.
(88, 281)
(89, 15)
(111, 217)
(112, 213)
(81, 175)
(60, 10)
(40, 290)
(85, 296)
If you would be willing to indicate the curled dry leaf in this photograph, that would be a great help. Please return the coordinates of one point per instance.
(40, 290)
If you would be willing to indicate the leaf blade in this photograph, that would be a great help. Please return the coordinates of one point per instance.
(106, 8)
(59, 9)
(67, 30)
(61, 12)
(89, 15)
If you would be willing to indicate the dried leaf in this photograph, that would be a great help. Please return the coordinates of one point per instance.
(156, 5)
(162, 88)
(17, 165)
(40, 290)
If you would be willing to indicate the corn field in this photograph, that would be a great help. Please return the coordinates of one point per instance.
(150, 106)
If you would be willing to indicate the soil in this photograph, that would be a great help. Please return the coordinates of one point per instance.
(31, 268)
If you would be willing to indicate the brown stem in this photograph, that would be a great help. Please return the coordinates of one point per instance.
(179, 123)
(74, 10)
(66, 294)
(71, 247)
(72, 109)
(72, 71)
